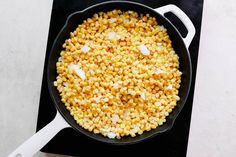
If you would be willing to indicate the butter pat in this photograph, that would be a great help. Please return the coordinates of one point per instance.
(115, 118)
(85, 48)
(75, 68)
(111, 135)
(144, 50)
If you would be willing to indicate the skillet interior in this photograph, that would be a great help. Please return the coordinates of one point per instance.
(178, 44)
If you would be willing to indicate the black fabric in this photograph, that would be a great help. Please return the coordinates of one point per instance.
(69, 142)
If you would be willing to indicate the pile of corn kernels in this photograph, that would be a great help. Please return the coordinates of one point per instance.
(118, 74)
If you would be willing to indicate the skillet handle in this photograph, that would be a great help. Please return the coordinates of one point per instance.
(183, 17)
(41, 138)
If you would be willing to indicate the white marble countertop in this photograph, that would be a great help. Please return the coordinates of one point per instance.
(23, 37)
